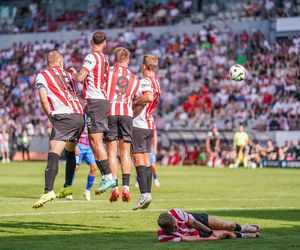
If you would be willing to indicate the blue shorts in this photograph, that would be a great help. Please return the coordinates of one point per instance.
(86, 154)
(152, 157)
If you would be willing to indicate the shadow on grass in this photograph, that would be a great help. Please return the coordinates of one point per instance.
(50, 226)
(285, 215)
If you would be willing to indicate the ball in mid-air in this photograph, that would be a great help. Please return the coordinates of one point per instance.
(237, 72)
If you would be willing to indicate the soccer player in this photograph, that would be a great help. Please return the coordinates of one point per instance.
(143, 128)
(122, 87)
(57, 93)
(177, 226)
(240, 141)
(84, 152)
(94, 73)
(212, 146)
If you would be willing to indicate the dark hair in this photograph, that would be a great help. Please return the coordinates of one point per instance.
(99, 37)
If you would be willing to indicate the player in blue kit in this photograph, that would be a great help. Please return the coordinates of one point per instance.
(84, 152)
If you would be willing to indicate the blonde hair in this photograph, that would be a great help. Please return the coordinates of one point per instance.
(54, 57)
(150, 62)
(121, 55)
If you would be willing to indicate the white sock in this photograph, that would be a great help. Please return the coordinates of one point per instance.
(127, 187)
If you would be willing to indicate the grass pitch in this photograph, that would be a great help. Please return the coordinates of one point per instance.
(268, 197)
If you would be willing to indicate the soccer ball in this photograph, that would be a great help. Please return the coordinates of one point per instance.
(237, 72)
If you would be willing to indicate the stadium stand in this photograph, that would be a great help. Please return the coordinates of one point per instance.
(36, 16)
(193, 69)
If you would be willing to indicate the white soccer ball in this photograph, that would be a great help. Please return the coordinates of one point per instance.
(237, 72)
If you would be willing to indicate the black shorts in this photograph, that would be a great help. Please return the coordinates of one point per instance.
(119, 127)
(97, 115)
(141, 140)
(202, 218)
(67, 127)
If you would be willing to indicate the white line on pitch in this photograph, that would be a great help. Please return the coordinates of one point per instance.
(148, 210)
(166, 200)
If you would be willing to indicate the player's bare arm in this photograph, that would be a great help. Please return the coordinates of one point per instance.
(145, 98)
(197, 238)
(44, 101)
(139, 104)
(198, 225)
(80, 76)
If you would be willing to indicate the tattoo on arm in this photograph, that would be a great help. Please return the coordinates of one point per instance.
(199, 226)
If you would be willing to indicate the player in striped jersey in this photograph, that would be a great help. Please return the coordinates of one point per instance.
(122, 87)
(58, 98)
(143, 128)
(94, 73)
(177, 225)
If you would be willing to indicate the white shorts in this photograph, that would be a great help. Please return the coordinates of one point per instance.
(4, 148)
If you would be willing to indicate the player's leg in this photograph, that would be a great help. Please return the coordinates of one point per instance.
(70, 170)
(56, 148)
(149, 141)
(112, 150)
(218, 224)
(111, 137)
(126, 167)
(210, 162)
(7, 153)
(90, 160)
(2, 154)
(102, 162)
(97, 123)
(139, 148)
(125, 130)
(154, 169)
(90, 181)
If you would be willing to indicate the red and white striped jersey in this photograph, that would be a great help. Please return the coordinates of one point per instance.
(183, 229)
(121, 88)
(145, 119)
(61, 91)
(84, 138)
(95, 84)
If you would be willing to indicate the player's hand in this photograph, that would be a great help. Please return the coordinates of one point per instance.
(214, 236)
(50, 116)
(72, 70)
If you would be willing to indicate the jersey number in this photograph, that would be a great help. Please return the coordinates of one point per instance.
(122, 84)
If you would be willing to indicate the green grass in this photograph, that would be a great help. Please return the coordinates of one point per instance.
(268, 197)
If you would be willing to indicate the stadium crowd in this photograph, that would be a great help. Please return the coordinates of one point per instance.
(193, 73)
(119, 14)
(255, 154)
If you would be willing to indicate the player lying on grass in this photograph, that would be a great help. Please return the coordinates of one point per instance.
(177, 225)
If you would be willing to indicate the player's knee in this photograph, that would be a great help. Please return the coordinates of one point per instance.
(93, 170)
(230, 226)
